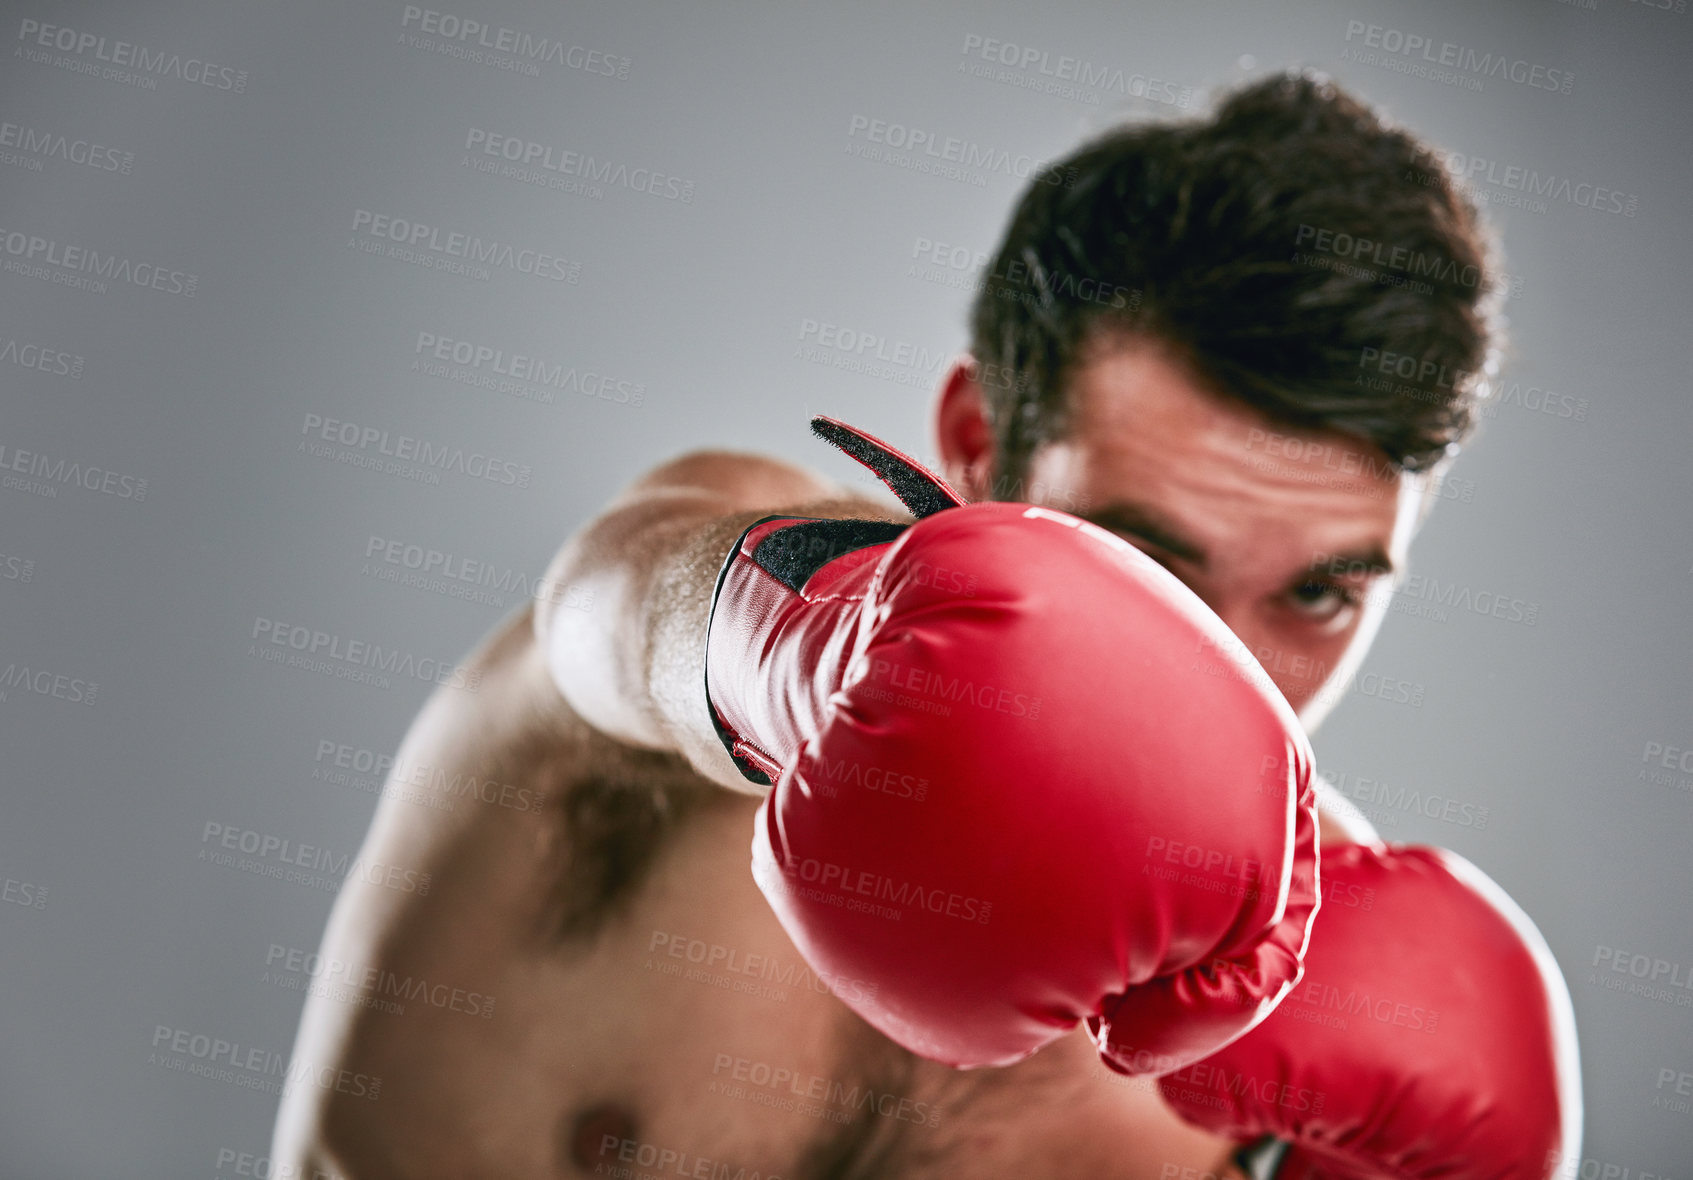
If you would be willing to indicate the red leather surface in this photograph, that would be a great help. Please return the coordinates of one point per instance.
(1114, 821)
(1431, 1035)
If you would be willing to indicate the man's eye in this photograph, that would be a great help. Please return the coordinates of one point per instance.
(1323, 602)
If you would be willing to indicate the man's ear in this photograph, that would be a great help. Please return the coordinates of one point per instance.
(963, 437)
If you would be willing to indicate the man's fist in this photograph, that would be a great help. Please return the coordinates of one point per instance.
(1009, 788)
(1431, 1036)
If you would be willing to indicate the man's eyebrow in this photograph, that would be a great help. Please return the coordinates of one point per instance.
(1138, 520)
(1371, 559)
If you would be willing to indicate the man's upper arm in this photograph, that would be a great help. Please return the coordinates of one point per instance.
(626, 601)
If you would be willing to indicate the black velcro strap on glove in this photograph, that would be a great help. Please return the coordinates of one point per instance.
(794, 554)
(921, 491)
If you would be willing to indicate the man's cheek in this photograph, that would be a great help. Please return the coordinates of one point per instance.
(1302, 670)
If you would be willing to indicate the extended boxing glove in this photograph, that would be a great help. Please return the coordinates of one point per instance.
(1009, 785)
(1432, 1036)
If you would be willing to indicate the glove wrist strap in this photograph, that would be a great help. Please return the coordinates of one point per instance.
(794, 552)
(790, 550)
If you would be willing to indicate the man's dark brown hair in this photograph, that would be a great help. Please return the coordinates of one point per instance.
(1283, 246)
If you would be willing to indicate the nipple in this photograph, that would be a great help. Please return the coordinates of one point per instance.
(598, 1134)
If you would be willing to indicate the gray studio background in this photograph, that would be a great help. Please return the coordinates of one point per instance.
(698, 296)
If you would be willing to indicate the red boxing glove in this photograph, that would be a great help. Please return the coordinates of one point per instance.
(1011, 793)
(1431, 1036)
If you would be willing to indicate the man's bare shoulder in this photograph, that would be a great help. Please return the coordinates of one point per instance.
(747, 478)
(509, 838)
(507, 778)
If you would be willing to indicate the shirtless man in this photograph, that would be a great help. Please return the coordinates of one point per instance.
(1172, 342)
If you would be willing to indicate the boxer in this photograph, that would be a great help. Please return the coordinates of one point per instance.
(655, 1012)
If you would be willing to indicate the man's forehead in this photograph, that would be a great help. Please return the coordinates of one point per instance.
(1136, 389)
(1147, 441)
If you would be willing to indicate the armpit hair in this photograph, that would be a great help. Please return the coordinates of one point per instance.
(612, 810)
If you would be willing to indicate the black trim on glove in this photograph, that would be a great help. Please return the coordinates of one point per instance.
(1261, 1159)
(792, 555)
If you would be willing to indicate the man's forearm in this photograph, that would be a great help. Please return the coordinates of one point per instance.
(633, 663)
